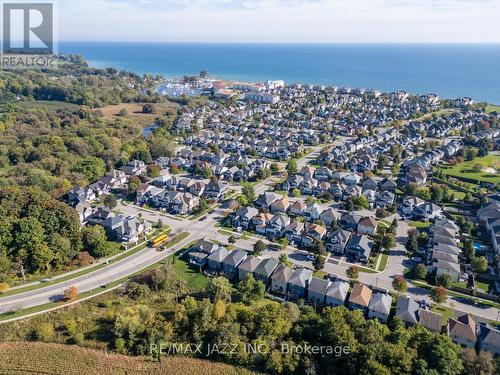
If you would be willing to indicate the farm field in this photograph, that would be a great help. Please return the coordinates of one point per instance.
(40, 358)
(466, 169)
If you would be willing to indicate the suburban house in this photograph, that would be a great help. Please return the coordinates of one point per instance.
(462, 331)
(297, 209)
(231, 262)
(359, 248)
(316, 291)
(360, 297)
(215, 190)
(407, 310)
(330, 216)
(200, 251)
(431, 320)
(281, 205)
(243, 217)
(337, 293)
(337, 240)
(248, 266)
(280, 278)
(294, 231)
(488, 339)
(264, 270)
(299, 282)
(367, 225)
(380, 307)
(214, 260)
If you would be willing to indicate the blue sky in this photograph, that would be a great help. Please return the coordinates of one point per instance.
(281, 20)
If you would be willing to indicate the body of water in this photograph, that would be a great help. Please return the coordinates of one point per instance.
(449, 70)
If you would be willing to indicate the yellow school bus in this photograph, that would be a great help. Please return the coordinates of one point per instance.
(158, 241)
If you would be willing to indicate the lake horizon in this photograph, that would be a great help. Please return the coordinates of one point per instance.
(449, 70)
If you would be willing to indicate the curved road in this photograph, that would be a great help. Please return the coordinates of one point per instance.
(90, 281)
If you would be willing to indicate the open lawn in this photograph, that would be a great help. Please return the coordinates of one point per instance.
(47, 105)
(493, 108)
(40, 358)
(420, 224)
(135, 109)
(195, 280)
(466, 169)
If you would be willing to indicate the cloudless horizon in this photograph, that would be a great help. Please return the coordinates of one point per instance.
(280, 20)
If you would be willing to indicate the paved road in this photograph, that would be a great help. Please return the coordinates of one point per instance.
(206, 229)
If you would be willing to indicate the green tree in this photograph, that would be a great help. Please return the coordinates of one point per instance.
(438, 294)
(444, 280)
(220, 288)
(479, 264)
(420, 271)
(259, 247)
(291, 166)
(250, 289)
(109, 201)
(399, 284)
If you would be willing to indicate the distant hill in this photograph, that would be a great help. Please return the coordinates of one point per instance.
(39, 358)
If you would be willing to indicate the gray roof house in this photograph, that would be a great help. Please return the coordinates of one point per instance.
(299, 282)
(214, 260)
(231, 261)
(337, 240)
(280, 278)
(248, 266)
(431, 320)
(337, 293)
(489, 339)
(359, 247)
(407, 310)
(200, 251)
(380, 306)
(243, 217)
(316, 292)
(264, 270)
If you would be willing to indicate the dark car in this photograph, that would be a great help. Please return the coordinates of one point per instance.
(204, 218)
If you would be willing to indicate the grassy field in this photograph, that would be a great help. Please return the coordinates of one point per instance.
(465, 170)
(47, 105)
(39, 358)
(493, 108)
(420, 224)
(135, 109)
(195, 280)
(383, 262)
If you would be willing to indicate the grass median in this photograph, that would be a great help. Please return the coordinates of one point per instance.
(91, 293)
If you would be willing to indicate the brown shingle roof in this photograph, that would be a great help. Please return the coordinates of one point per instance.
(360, 295)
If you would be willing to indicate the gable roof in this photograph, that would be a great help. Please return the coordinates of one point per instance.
(319, 286)
(407, 309)
(338, 290)
(381, 302)
(431, 320)
(464, 326)
(235, 257)
(249, 264)
(300, 277)
(360, 295)
(266, 267)
(282, 273)
(489, 335)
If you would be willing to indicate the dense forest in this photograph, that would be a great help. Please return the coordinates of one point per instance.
(54, 136)
(157, 308)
